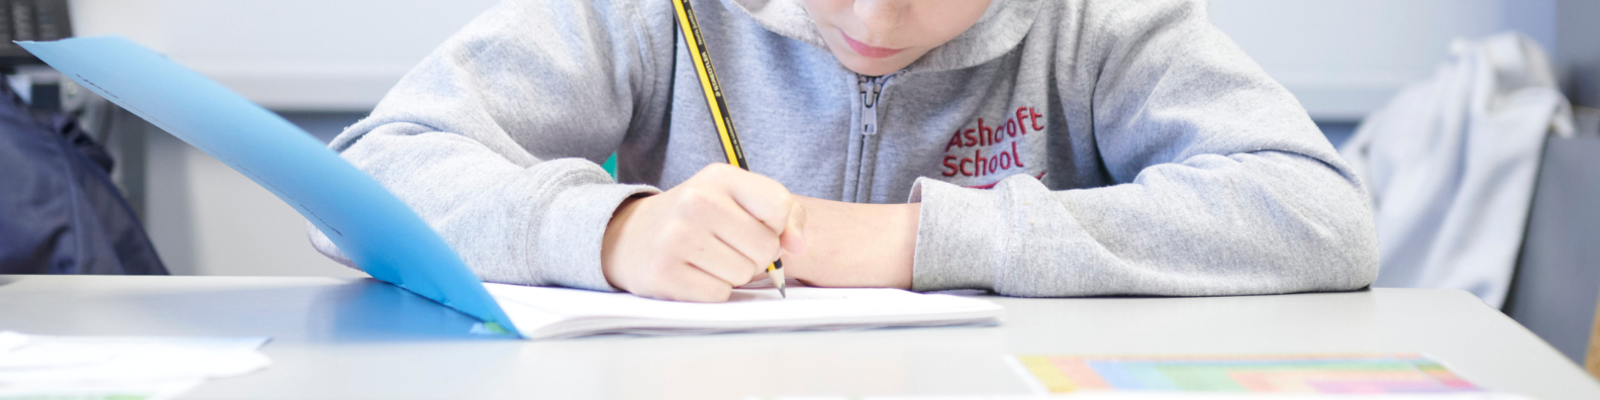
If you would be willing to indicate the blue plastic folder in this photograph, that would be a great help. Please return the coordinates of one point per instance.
(376, 230)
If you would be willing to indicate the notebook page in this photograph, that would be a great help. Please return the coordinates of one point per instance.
(536, 308)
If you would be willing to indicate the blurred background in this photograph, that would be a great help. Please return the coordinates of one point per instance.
(323, 64)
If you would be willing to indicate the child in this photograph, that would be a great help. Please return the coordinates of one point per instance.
(1028, 147)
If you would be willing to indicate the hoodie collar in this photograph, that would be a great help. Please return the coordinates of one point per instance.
(1000, 29)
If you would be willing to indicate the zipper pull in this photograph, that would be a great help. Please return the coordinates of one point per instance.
(871, 90)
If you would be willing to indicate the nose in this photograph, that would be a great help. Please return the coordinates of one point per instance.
(881, 16)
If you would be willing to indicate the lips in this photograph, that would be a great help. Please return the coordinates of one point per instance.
(866, 50)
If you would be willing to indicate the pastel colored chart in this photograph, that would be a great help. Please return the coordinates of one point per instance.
(1327, 374)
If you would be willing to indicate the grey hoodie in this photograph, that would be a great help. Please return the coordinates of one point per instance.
(1058, 148)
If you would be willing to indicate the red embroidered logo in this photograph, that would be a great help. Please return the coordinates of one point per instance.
(1002, 156)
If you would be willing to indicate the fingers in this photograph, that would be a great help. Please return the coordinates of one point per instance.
(749, 237)
(689, 283)
(768, 205)
(697, 241)
(723, 262)
(752, 238)
(718, 218)
(762, 197)
(793, 239)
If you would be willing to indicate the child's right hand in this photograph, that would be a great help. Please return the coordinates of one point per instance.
(696, 242)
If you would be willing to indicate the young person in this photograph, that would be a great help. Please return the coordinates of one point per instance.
(1028, 147)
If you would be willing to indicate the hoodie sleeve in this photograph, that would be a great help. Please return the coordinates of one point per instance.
(494, 139)
(1220, 182)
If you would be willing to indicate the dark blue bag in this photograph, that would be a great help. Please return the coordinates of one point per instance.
(59, 211)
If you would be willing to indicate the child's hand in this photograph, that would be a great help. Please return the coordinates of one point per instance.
(716, 231)
(856, 245)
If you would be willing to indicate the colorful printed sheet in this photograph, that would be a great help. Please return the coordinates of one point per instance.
(1329, 374)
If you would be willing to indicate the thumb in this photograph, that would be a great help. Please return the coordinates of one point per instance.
(793, 238)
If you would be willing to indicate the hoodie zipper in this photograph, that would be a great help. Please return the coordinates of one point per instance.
(866, 144)
(871, 91)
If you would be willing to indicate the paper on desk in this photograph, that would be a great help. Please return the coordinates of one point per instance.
(546, 313)
(378, 232)
(36, 366)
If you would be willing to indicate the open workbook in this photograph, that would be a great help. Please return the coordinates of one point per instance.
(547, 313)
(390, 242)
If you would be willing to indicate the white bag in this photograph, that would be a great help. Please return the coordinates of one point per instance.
(1451, 163)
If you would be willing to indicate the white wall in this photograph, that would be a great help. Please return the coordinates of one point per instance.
(1345, 58)
(1342, 58)
(301, 55)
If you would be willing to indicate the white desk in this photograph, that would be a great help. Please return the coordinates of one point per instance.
(353, 338)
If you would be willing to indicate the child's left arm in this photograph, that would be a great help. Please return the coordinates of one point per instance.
(1217, 182)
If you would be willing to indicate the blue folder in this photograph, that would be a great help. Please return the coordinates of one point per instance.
(373, 227)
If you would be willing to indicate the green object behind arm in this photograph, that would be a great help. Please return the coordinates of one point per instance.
(611, 166)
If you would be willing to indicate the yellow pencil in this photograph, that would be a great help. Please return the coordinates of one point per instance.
(718, 107)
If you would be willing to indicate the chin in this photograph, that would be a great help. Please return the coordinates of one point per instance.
(873, 71)
(872, 67)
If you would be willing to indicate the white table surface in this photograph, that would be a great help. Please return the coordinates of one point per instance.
(358, 338)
